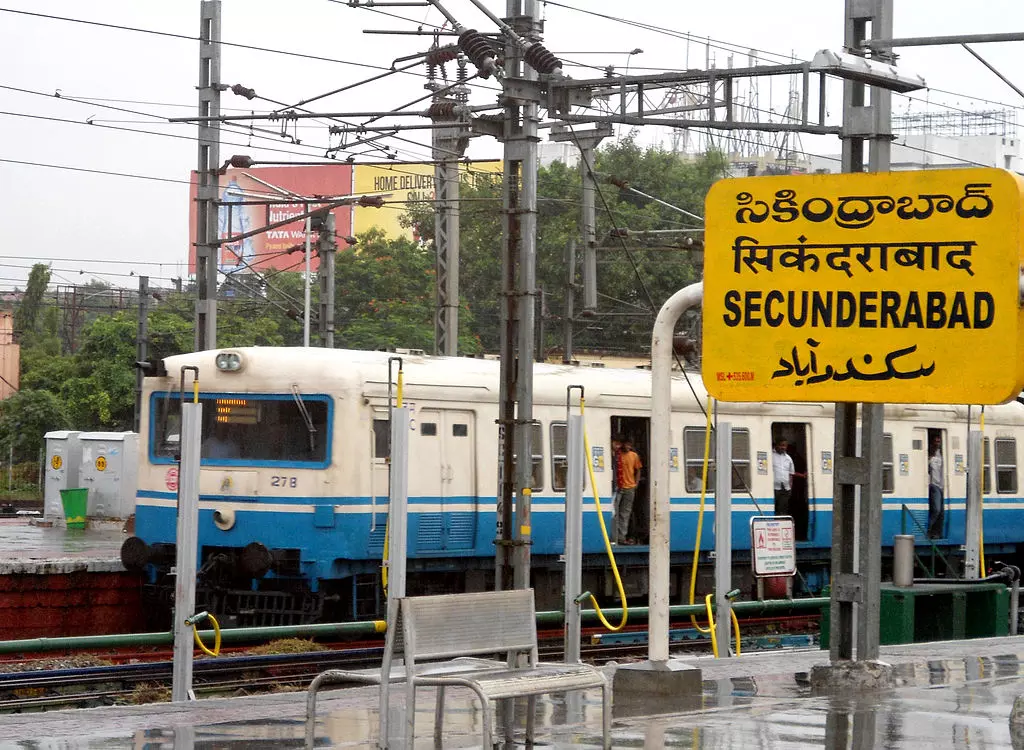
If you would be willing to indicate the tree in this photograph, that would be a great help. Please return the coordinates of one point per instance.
(635, 276)
(385, 295)
(25, 417)
(26, 316)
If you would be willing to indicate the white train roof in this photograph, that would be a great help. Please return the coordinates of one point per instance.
(469, 379)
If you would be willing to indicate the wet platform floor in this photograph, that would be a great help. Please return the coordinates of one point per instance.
(956, 695)
(27, 547)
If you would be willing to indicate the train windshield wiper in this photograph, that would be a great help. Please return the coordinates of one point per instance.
(305, 418)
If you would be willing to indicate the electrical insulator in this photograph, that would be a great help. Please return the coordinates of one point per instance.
(541, 59)
(374, 201)
(245, 91)
(479, 50)
(442, 109)
(241, 162)
(441, 55)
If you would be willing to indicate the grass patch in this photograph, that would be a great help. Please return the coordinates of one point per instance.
(287, 646)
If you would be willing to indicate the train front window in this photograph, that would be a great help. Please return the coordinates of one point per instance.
(248, 429)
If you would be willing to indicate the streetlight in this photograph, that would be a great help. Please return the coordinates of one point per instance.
(636, 51)
(864, 70)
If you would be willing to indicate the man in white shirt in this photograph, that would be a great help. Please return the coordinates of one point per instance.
(784, 471)
(936, 489)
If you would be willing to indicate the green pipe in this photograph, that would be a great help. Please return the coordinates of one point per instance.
(769, 606)
(232, 635)
(366, 628)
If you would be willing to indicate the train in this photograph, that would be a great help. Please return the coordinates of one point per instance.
(295, 462)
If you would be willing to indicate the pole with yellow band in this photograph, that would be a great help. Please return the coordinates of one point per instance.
(700, 516)
(981, 498)
(387, 524)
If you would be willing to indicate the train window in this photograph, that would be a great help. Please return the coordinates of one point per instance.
(460, 430)
(986, 473)
(249, 429)
(1006, 465)
(741, 459)
(537, 445)
(888, 478)
(428, 429)
(381, 438)
(693, 454)
(559, 459)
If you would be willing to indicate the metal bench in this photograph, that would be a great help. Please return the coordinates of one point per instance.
(458, 628)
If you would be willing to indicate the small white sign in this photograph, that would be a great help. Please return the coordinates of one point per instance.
(772, 540)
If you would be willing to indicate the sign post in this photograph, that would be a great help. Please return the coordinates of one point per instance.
(891, 287)
(772, 540)
(884, 287)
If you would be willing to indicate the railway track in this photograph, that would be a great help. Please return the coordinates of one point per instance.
(82, 687)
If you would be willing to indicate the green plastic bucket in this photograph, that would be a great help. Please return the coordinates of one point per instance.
(75, 502)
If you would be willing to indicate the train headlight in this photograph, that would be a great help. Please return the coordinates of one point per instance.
(229, 361)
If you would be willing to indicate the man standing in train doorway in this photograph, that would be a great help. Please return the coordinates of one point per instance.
(936, 488)
(784, 471)
(628, 471)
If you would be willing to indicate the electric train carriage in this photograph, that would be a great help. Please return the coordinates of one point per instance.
(294, 480)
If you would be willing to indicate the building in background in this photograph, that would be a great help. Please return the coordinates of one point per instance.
(948, 140)
(10, 356)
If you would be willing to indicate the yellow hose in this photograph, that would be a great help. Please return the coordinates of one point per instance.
(714, 637)
(700, 516)
(216, 633)
(607, 541)
(711, 625)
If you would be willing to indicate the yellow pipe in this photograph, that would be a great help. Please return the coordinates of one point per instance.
(216, 634)
(714, 636)
(700, 513)
(607, 541)
(711, 625)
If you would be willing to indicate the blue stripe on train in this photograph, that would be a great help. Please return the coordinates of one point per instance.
(359, 536)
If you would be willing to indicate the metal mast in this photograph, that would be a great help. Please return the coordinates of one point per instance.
(206, 174)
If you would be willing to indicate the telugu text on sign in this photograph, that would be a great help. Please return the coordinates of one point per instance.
(886, 287)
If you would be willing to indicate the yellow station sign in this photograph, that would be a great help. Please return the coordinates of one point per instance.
(895, 287)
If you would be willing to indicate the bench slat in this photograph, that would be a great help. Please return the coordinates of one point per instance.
(486, 622)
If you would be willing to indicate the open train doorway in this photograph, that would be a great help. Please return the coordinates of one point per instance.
(638, 431)
(796, 436)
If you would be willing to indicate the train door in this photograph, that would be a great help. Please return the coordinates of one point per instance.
(380, 455)
(923, 439)
(638, 431)
(447, 455)
(797, 437)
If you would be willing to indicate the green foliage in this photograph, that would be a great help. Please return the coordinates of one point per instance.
(636, 274)
(385, 295)
(26, 316)
(25, 417)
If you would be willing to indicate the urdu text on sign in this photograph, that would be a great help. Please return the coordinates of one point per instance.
(887, 287)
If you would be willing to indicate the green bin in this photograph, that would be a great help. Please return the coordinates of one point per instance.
(75, 502)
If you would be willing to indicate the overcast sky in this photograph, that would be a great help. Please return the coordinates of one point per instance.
(109, 226)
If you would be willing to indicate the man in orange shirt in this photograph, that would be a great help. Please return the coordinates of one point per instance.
(629, 468)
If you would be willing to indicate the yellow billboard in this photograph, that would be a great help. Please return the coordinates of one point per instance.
(892, 287)
(407, 183)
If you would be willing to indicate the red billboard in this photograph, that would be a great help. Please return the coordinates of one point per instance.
(243, 193)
